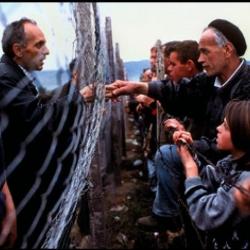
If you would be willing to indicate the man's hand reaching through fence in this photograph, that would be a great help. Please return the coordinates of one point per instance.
(119, 88)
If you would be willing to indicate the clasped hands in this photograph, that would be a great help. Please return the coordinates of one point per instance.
(112, 91)
(115, 89)
(179, 132)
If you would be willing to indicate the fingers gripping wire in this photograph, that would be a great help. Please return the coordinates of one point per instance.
(198, 157)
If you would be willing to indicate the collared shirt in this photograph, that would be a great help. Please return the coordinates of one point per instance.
(217, 82)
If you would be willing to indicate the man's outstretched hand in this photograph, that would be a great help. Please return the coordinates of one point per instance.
(120, 87)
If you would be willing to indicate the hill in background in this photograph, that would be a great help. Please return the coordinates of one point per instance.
(51, 79)
(134, 69)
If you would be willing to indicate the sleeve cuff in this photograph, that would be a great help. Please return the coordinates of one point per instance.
(154, 88)
(191, 182)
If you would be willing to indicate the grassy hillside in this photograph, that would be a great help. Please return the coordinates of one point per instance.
(134, 69)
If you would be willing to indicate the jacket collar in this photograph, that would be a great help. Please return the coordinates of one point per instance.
(7, 60)
(217, 82)
(31, 86)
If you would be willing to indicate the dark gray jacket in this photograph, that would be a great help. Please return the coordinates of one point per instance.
(37, 135)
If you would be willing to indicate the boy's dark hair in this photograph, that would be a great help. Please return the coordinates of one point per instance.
(188, 50)
(169, 47)
(237, 114)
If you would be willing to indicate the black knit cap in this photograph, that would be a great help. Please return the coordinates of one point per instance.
(232, 33)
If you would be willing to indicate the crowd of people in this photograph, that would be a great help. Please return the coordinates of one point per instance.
(204, 164)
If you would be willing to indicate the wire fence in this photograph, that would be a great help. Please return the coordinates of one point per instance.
(50, 140)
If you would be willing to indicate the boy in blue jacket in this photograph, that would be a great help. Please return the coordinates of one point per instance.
(209, 189)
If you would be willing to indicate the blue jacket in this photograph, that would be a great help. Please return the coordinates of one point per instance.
(212, 204)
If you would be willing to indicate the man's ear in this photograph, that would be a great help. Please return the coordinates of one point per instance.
(17, 49)
(229, 48)
(190, 64)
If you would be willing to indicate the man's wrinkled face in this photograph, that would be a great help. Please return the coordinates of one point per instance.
(34, 51)
(212, 56)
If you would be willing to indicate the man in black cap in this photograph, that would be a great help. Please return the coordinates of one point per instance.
(226, 76)
(232, 33)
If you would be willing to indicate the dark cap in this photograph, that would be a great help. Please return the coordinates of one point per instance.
(232, 33)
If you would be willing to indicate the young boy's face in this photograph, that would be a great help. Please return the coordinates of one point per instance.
(224, 141)
(176, 69)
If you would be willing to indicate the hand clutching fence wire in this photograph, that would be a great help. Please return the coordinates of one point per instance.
(228, 180)
(49, 139)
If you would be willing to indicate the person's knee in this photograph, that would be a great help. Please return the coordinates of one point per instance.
(164, 153)
(168, 160)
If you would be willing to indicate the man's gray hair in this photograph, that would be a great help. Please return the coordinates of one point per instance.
(220, 39)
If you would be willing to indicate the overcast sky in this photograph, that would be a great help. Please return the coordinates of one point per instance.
(135, 26)
(55, 20)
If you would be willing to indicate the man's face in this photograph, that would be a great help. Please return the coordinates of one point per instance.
(212, 57)
(35, 50)
(147, 76)
(176, 69)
